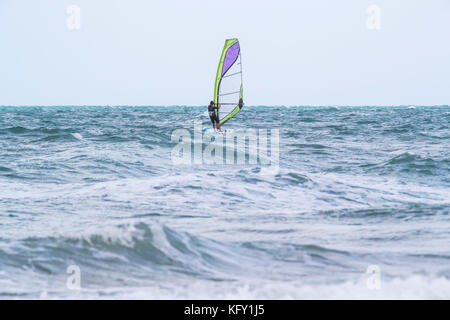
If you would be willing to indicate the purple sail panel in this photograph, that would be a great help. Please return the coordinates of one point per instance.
(230, 57)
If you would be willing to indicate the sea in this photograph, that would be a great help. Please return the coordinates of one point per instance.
(94, 205)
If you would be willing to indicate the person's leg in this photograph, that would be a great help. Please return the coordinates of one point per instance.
(216, 118)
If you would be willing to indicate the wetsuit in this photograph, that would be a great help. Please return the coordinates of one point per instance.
(213, 113)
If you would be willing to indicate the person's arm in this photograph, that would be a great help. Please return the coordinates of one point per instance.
(218, 107)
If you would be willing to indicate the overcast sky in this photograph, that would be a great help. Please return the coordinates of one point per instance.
(142, 52)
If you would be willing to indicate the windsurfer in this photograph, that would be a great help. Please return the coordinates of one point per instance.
(213, 112)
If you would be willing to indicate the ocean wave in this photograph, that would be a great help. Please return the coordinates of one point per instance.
(44, 130)
(405, 212)
(408, 162)
(141, 246)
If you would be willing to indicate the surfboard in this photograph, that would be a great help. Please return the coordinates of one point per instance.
(210, 130)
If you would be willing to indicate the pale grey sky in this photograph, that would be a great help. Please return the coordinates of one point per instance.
(142, 52)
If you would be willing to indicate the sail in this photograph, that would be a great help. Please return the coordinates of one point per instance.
(228, 87)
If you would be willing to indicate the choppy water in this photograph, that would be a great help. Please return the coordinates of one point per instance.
(95, 187)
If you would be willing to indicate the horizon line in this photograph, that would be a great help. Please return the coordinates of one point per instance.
(260, 105)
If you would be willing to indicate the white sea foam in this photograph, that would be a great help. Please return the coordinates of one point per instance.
(77, 136)
(413, 287)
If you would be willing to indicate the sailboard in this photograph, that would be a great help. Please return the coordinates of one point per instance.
(228, 87)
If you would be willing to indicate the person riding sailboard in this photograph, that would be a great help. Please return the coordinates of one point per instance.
(228, 87)
(213, 112)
